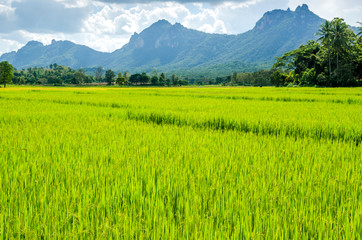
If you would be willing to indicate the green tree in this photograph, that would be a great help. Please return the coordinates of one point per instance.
(6, 72)
(308, 77)
(135, 78)
(338, 56)
(277, 78)
(359, 29)
(110, 76)
(144, 78)
(162, 79)
(79, 77)
(22, 80)
(126, 75)
(168, 82)
(98, 73)
(234, 78)
(340, 38)
(357, 59)
(326, 33)
(154, 78)
(174, 80)
(121, 80)
(183, 82)
(54, 80)
(299, 60)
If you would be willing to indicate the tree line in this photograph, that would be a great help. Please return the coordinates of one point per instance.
(53, 74)
(58, 75)
(154, 79)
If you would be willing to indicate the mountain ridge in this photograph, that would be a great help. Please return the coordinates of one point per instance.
(172, 47)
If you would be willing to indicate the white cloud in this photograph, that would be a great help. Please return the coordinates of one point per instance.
(100, 23)
(6, 9)
(206, 20)
(7, 45)
(74, 3)
(117, 19)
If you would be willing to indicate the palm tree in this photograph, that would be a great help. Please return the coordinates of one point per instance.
(326, 33)
(340, 37)
(359, 29)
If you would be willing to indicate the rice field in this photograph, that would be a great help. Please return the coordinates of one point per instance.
(180, 163)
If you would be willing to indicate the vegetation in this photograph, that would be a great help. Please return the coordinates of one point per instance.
(172, 163)
(98, 74)
(122, 79)
(58, 75)
(334, 61)
(187, 162)
(6, 73)
(53, 75)
(110, 76)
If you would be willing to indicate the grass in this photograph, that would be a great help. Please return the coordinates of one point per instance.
(209, 163)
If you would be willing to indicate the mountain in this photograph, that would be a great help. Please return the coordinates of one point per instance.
(174, 48)
(165, 47)
(61, 52)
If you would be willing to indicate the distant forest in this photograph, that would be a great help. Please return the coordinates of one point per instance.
(335, 60)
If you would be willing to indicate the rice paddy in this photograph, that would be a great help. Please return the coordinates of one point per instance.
(180, 163)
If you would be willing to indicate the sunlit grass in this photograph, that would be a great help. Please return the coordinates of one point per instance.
(180, 163)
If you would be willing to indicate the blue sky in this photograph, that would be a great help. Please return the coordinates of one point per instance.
(107, 25)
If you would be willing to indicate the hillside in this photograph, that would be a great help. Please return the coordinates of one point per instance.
(166, 47)
(61, 52)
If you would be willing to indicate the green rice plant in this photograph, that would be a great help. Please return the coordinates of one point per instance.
(139, 163)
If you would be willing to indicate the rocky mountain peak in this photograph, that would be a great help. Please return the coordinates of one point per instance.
(161, 23)
(160, 34)
(275, 17)
(34, 44)
(303, 8)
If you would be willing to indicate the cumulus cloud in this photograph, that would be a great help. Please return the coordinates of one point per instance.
(119, 19)
(8, 45)
(205, 20)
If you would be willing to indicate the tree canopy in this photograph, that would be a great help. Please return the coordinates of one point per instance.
(110, 76)
(333, 61)
(6, 72)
